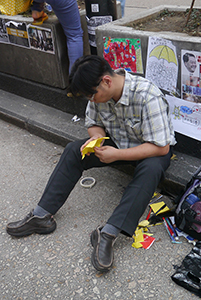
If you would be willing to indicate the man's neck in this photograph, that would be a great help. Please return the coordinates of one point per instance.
(118, 85)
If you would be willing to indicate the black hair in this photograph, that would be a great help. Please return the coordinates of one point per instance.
(186, 56)
(86, 75)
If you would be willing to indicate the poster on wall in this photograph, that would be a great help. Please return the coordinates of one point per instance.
(3, 32)
(17, 33)
(41, 39)
(162, 64)
(123, 53)
(186, 117)
(190, 76)
(94, 22)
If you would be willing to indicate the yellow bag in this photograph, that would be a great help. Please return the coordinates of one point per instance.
(14, 7)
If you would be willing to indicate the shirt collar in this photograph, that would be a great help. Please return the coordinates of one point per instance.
(125, 95)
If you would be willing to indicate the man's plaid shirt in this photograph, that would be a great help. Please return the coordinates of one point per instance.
(141, 115)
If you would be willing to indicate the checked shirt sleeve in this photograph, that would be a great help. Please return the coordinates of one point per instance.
(92, 116)
(156, 122)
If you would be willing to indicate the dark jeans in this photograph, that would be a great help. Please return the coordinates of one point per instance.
(147, 175)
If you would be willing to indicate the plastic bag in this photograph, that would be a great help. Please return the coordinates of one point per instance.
(188, 211)
(188, 275)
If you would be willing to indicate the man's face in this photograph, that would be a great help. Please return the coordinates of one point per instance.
(103, 94)
(191, 64)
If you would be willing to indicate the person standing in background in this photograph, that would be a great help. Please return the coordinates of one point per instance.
(68, 15)
(123, 2)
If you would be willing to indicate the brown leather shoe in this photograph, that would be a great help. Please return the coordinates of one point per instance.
(102, 256)
(32, 224)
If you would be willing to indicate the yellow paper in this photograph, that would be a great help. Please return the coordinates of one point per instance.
(136, 245)
(143, 223)
(138, 238)
(149, 234)
(90, 147)
(156, 206)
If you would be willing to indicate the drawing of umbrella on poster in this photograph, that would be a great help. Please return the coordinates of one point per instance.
(162, 64)
(164, 52)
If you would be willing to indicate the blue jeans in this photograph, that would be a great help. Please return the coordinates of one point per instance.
(123, 2)
(147, 175)
(68, 15)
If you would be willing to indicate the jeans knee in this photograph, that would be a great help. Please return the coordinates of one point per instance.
(153, 167)
(72, 147)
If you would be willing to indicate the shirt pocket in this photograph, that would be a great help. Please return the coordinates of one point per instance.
(133, 129)
(107, 116)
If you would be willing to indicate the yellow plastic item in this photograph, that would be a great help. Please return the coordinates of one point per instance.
(157, 206)
(138, 238)
(90, 147)
(14, 7)
(143, 223)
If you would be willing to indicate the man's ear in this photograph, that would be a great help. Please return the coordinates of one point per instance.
(107, 80)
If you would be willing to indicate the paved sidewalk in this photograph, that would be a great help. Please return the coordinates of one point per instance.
(136, 6)
(57, 266)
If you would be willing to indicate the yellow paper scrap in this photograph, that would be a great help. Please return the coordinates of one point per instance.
(149, 234)
(174, 157)
(90, 147)
(136, 245)
(156, 207)
(156, 195)
(139, 235)
(143, 223)
(138, 238)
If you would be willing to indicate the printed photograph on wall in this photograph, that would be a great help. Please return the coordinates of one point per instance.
(94, 22)
(162, 64)
(17, 33)
(41, 39)
(3, 32)
(186, 117)
(123, 53)
(190, 76)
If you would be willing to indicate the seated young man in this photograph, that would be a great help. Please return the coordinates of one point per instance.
(135, 115)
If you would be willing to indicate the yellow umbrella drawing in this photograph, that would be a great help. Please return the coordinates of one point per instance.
(164, 52)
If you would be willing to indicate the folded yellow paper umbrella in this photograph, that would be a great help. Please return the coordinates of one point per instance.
(90, 147)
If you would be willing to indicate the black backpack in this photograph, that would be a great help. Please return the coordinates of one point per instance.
(188, 207)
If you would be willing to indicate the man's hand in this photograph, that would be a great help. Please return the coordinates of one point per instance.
(106, 154)
(95, 137)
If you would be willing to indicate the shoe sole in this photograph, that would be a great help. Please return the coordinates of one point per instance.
(97, 266)
(94, 263)
(31, 231)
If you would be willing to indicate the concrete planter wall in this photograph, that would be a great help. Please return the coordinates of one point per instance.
(40, 67)
(118, 29)
(30, 64)
(40, 76)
